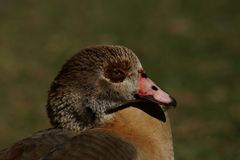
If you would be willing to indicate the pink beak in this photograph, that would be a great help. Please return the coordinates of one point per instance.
(148, 98)
(149, 90)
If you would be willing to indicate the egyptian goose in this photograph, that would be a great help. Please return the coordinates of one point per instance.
(102, 106)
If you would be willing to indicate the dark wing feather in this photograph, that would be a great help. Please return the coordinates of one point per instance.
(35, 146)
(93, 145)
(56, 144)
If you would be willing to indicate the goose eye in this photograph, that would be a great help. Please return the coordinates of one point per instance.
(116, 75)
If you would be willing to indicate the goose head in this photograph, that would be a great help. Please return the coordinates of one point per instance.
(99, 81)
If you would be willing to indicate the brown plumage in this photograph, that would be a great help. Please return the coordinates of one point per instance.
(102, 107)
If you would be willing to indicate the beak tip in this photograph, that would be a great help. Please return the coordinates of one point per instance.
(173, 102)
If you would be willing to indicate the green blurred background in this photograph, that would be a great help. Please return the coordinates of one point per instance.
(191, 48)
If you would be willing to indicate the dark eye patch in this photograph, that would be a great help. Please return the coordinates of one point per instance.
(116, 72)
(117, 75)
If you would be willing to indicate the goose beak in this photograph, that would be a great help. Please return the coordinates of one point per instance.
(148, 90)
(150, 99)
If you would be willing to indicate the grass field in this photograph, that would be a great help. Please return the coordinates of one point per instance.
(191, 48)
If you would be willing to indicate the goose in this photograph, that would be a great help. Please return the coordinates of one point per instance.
(102, 106)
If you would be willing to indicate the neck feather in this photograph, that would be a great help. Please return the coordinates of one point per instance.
(67, 111)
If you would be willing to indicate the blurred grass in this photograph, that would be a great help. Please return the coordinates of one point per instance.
(192, 48)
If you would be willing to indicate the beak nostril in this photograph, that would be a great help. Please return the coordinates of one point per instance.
(154, 88)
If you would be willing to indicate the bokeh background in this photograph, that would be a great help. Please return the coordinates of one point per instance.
(191, 48)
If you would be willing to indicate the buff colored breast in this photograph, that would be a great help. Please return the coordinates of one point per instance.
(152, 138)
